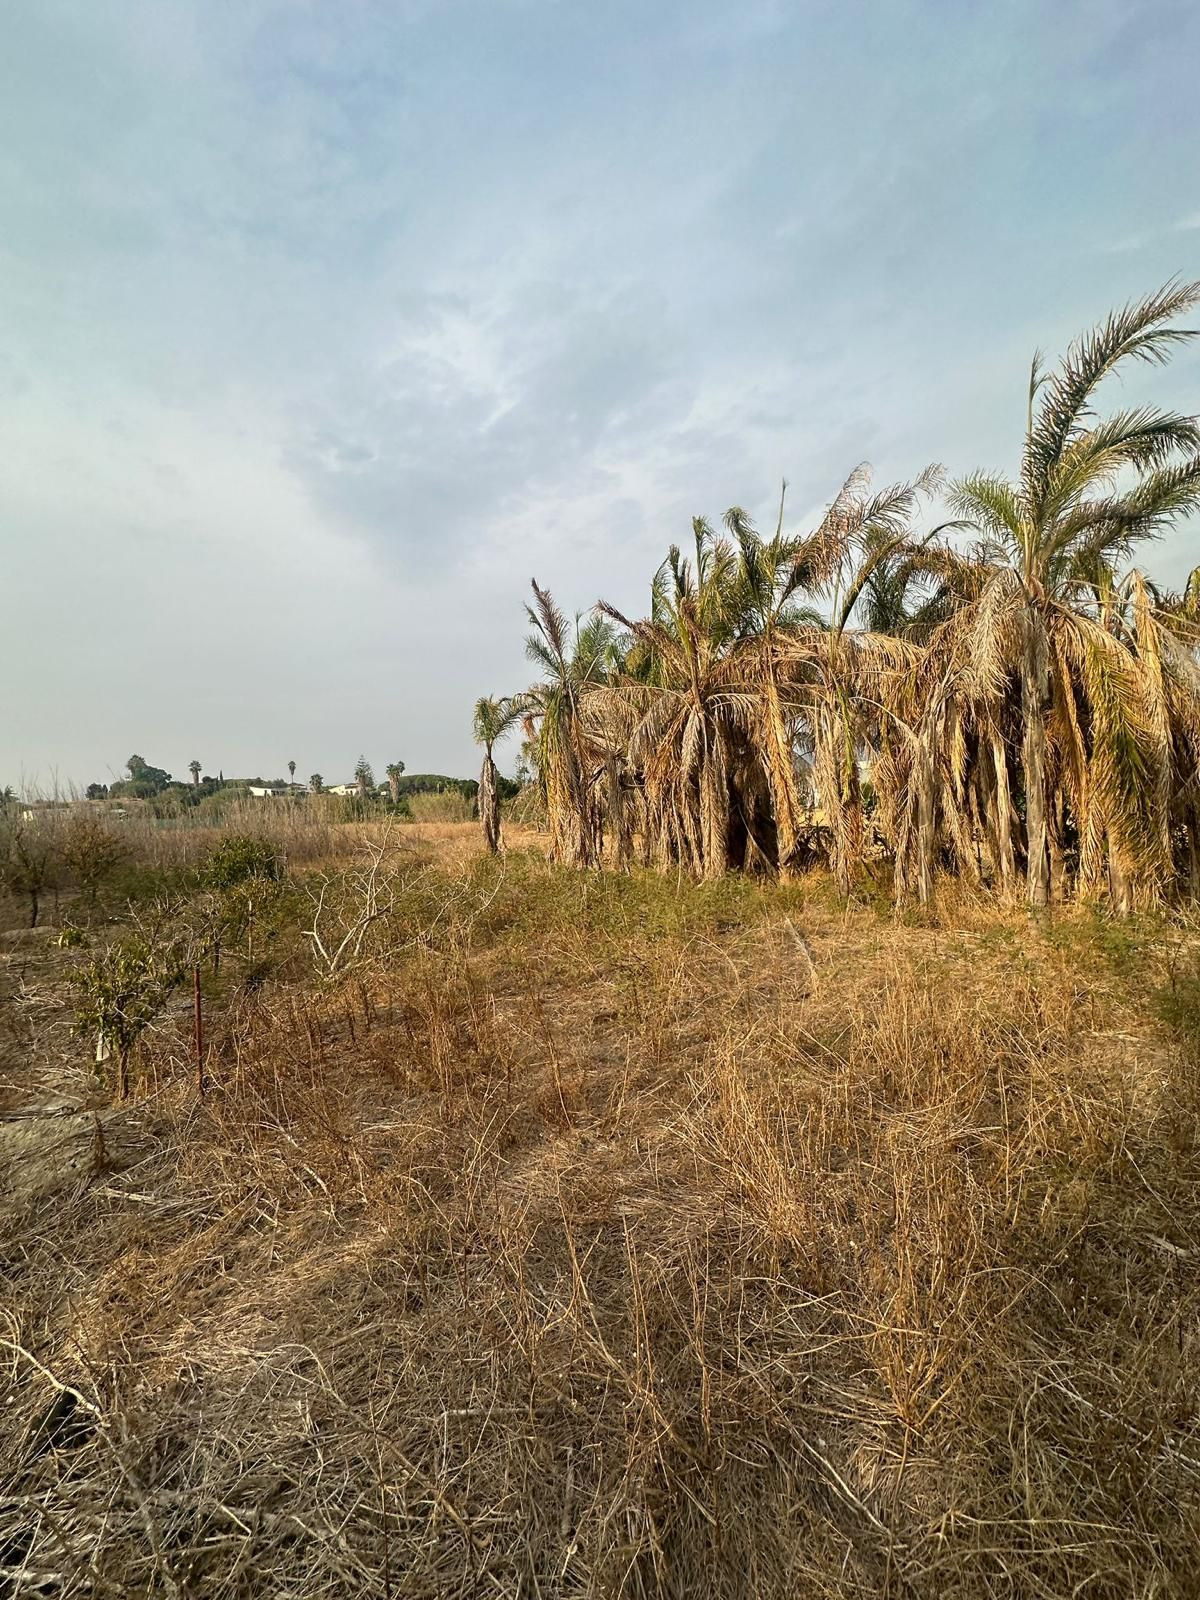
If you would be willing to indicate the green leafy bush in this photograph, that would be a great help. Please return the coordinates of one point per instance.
(239, 858)
(122, 991)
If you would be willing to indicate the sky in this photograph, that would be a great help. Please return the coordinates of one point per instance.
(325, 325)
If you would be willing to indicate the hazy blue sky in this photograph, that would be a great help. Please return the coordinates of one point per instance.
(324, 326)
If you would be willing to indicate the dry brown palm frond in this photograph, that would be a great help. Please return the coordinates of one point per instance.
(822, 551)
(983, 639)
(1125, 751)
(1181, 680)
(1156, 707)
(1067, 721)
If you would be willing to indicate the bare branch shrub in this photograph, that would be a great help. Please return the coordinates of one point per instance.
(30, 857)
(91, 850)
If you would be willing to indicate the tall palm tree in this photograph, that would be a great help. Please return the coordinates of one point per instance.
(836, 670)
(291, 772)
(194, 769)
(1088, 491)
(770, 575)
(395, 771)
(493, 719)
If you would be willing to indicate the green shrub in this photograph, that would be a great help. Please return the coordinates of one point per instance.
(239, 858)
(121, 993)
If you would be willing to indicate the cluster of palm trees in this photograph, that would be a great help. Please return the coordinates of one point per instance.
(1003, 696)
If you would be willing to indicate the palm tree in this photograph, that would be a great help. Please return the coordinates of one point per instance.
(395, 771)
(688, 736)
(194, 769)
(316, 783)
(859, 557)
(571, 665)
(769, 576)
(291, 772)
(827, 674)
(493, 719)
(1088, 492)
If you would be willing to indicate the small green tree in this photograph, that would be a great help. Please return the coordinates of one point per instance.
(121, 993)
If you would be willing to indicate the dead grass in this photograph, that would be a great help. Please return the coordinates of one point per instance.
(616, 1235)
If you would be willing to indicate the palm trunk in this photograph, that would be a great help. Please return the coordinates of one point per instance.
(1033, 756)
(714, 807)
(923, 783)
(1004, 840)
(1118, 880)
(781, 772)
(489, 805)
(1056, 832)
(644, 831)
(836, 773)
(585, 811)
(618, 817)
(567, 810)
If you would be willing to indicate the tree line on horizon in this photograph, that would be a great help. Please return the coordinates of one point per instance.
(157, 787)
(1005, 697)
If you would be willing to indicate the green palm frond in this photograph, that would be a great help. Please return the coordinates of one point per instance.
(992, 505)
(1159, 499)
(541, 655)
(1138, 332)
(1141, 439)
(596, 652)
(494, 716)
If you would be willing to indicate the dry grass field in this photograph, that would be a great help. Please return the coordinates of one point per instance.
(607, 1234)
